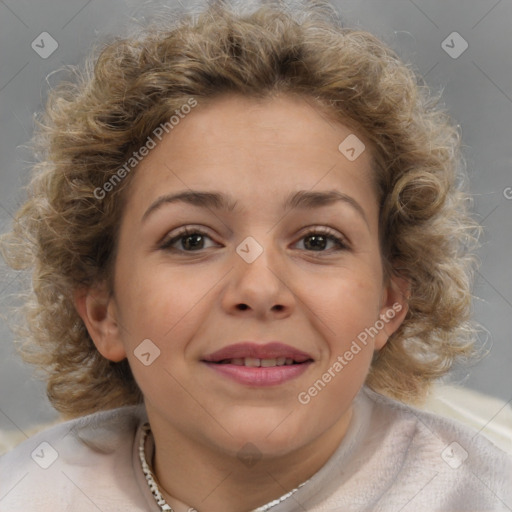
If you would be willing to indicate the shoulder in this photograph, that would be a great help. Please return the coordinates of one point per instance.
(429, 430)
(71, 463)
(455, 460)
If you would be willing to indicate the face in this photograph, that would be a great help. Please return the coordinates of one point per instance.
(249, 257)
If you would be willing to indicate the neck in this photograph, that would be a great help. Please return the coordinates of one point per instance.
(207, 478)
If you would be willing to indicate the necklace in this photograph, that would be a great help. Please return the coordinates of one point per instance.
(155, 491)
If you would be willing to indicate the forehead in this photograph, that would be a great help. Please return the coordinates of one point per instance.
(236, 142)
(285, 123)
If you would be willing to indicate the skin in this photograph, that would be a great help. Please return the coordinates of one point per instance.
(193, 303)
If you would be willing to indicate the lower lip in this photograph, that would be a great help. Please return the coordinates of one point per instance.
(260, 376)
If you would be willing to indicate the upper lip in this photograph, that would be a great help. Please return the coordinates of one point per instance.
(271, 350)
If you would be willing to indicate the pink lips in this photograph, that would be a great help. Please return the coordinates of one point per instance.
(271, 350)
(221, 362)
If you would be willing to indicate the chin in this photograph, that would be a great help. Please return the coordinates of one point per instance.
(271, 438)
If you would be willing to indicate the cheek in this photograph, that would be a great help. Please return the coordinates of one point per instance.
(343, 309)
(161, 303)
(345, 303)
(165, 309)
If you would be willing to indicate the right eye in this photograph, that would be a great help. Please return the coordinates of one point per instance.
(188, 240)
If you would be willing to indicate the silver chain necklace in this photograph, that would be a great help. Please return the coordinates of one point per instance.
(155, 491)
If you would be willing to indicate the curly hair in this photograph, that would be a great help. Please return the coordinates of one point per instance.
(92, 124)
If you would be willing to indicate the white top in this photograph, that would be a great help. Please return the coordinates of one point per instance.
(393, 458)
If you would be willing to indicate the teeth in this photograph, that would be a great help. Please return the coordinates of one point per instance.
(254, 362)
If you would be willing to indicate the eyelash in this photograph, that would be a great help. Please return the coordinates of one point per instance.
(340, 242)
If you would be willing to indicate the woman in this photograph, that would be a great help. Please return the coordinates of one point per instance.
(250, 252)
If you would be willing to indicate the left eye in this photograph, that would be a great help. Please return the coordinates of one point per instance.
(319, 241)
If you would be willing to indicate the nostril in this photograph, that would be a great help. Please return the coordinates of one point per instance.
(243, 307)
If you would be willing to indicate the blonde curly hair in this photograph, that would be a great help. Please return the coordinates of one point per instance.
(93, 123)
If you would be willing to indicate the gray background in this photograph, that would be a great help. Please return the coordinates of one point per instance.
(477, 91)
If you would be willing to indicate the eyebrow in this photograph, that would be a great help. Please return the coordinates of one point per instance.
(303, 199)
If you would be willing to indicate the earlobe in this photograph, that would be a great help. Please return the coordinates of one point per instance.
(95, 306)
(394, 308)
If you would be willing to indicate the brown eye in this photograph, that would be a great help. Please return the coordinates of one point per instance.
(322, 241)
(192, 242)
(315, 242)
(188, 241)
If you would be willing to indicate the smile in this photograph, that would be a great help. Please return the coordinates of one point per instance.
(254, 362)
(258, 365)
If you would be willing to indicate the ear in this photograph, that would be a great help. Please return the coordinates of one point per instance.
(96, 307)
(394, 308)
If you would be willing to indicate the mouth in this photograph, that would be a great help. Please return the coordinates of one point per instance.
(254, 362)
(259, 365)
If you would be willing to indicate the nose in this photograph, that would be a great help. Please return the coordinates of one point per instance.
(260, 289)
